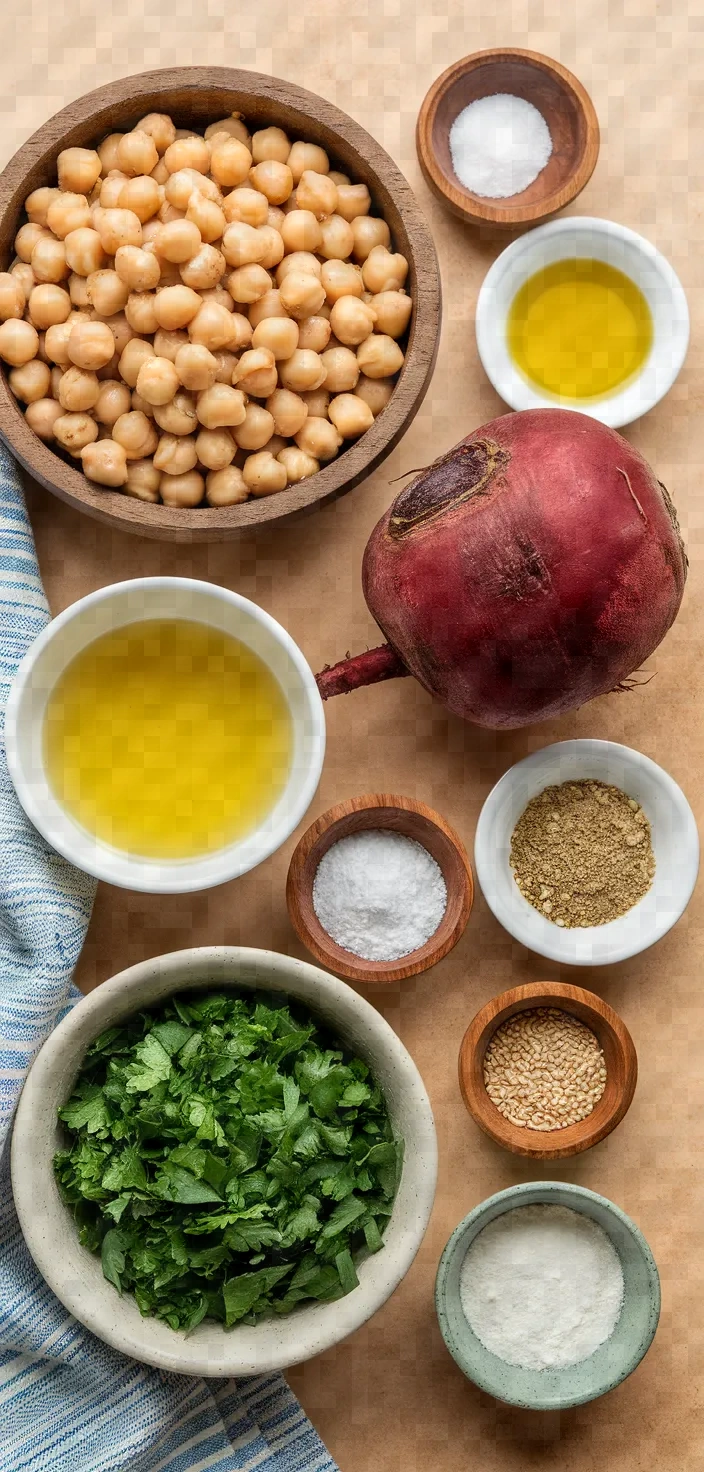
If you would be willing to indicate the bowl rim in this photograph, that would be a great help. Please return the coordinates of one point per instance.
(363, 455)
(246, 968)
(625, 404)
(514, 1196)
(550, 1144)
(132, 872)
(474, 209)
(325, 951)
(555, 947)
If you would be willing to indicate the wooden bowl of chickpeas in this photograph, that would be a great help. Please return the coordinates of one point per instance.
(219, 303)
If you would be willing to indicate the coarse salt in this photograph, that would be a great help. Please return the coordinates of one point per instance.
(379, 894)
(499, 145)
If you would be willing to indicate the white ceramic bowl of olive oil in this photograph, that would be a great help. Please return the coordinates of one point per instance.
(584, 314)
(165, 734)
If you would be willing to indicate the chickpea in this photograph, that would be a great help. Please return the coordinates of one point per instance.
(337, 238)
(105, 463)
(218, 294)
(307, 156)
(137, 402)
(142, 196)
(300, 230)
(233, 125)
(143, 480)
(213, 326)
(225, 487)
(375, 392)
(178, 417)
(341, 278)
(207, 216)
(136, 433)
(379, 356)
(182, 490)
(176, 454)
(353, 200)
(180, 188)
(316, 193)
(195, 366)
(298, 464)
(319, 438)
(37, 204)
(191, 152)
(136, 153)
(122, 332)
(267, 306)
(31, 382)
(19, 342)
(368, 231)
(111, 190)
(41, 416)
(226, 365)
(350, 415)
(178, 241)
(351, 320)
(273, 179)
(230, 162)
(221, 406)
(255, 431)
(27, 237)
(301, 294)
(160, 129)
(278, 334)
(56, 343)
(176, 306)
(90, 344)
(158, 381)
(113, 400)
(298, 260)
(256, 372)
(314, 333)
(107, 153)
(138, 268)
(288, 411)
(341, 369)
(245, 206)
(117, 227)
(131, 359)
(393, 312)
(339, 178)
(84, 251)
(48, 304)
(78, 169)
(317, 401)
(270, 143)
(107, 293)
(78, 290)
(79, 390)
(303, 370)
(384, 272)
(216, 448)
(12, 297)
(169, 275)
(66, 213)
(242, 244)
(167, 344)
(22, 272)
(168, 215)
(205, 269)
(263, 475)
(248, 283)
(75, 431)
(49, 260)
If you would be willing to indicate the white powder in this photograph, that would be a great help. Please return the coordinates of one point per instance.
(499, 145)
(379, 894)
(542, 1287)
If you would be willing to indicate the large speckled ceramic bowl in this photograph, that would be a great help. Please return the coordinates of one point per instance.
(75, 1274)
(612, 1362)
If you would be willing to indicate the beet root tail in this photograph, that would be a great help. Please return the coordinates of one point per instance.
(360, 669)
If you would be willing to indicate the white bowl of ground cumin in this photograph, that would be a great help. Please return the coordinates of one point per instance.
(587, 852)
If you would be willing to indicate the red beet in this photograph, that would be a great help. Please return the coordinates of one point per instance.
(535, 566)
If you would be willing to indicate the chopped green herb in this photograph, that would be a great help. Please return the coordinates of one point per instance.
(227, 1159)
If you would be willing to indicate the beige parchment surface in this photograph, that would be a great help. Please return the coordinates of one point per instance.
(390, 1399)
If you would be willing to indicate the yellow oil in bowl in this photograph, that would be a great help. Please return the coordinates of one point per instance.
(579, 329)
(168, 739)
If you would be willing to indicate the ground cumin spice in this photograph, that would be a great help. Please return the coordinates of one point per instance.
(581, 853)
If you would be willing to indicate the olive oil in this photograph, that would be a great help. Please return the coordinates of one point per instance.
(168, 739)
(579, 329)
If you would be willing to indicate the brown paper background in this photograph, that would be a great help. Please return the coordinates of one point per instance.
(390, 1399)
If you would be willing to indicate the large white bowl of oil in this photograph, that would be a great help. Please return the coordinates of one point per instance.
(582, 314)
(165, 735)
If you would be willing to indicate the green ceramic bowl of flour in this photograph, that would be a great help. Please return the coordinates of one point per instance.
(609, 1364)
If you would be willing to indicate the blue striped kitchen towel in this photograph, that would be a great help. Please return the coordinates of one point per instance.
(67, 1402)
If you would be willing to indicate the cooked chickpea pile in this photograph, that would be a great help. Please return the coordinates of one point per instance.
(202, 317)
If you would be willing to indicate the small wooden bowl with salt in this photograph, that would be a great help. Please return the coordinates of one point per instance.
(619, 1056)
(387, 814)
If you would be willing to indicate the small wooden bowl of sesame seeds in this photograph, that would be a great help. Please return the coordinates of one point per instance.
(547, 1070)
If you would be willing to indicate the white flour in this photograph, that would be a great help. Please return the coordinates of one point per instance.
(379, 894)
(542, 1287)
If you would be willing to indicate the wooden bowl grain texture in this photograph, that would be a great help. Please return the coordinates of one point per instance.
(199, 95)
(399, 815)
(563, 102)
(619, 1055)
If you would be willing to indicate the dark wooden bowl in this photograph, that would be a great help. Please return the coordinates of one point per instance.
(401, 815)
(568, 112)
(619, 1054)
(198, 95)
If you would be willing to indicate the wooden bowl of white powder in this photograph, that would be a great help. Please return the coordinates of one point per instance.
(547, 1295)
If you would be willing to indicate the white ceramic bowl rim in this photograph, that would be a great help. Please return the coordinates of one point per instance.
(629, 252)
(75, 1275)
(675, 843)
(124, 603)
